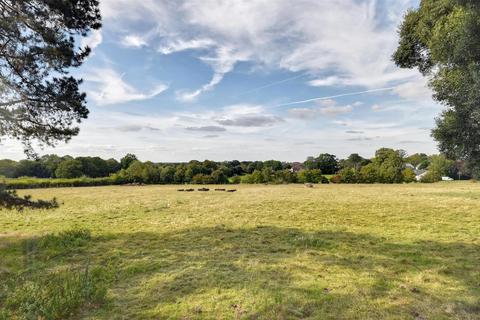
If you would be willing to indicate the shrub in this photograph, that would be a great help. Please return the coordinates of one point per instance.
(336, 179)
(369, 173)
(202, 179)
(309, 176)
(409, 175)
(324, 180)
(246, 179)
(219, 177)
(348, 175)
(236, 179)
(431, 177)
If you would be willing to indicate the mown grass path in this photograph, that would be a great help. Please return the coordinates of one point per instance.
(264, 252)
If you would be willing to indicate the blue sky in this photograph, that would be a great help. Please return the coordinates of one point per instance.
(222, 80)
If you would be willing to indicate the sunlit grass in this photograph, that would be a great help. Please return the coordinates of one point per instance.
(264, 252)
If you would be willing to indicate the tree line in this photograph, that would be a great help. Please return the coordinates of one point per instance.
(387, 166)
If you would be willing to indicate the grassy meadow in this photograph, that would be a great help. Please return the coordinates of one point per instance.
(264, 252)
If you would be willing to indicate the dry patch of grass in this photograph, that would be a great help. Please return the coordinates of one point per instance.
(264, 252)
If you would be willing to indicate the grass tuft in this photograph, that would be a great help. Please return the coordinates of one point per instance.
(56, 296)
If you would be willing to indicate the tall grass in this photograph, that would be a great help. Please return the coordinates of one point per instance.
(35, 292)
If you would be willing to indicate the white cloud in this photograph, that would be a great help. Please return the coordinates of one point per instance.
(414, 90)
(247, 116)
(93, 40)
(303, 113)
(349, 38)
(134, 41)
(333, 111)
(222, 61)
(326, 103)
(178, 45)
(110, 88)
(324, 107)
(325, 82)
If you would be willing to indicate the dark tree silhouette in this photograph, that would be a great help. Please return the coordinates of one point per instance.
(39, 101)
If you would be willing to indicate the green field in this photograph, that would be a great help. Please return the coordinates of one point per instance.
(264, 252)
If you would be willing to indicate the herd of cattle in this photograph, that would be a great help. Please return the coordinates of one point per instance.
(206, 189)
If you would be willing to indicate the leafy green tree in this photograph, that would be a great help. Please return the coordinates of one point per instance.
(201, 178)
(441, 39)
(354, 161)
(258, 177)
(69, 169)
(179, 176)
(51, 162)
(8, 168)
(93, 167)
(151, 173)
(134, 172)
(286, 176)
(462, 171)
(369, 173)
(167, 175)
(38, 100)
(390, 164)
(310, 163)
(440, 166)
(409, 175)
(219, 177)
(309, 176)
(127, 160)
(274, 165)
(247, 179)
(328, 163)
(32, 168)
(112, 166)
(139, 172)
(348, 175)
(416, 159)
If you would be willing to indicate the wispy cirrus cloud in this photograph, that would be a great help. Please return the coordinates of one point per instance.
(277, 34)
(245, 115)
(323, 108)
(178, 45)
(110, 88)
(207, 129)
(222, 61)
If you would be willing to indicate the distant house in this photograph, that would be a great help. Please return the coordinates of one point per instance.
(419, 173)
(296, 167)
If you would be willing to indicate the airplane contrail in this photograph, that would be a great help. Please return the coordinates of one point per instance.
(272, 84)
(337, 96)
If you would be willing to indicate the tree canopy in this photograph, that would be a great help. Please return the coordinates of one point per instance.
(442, 40)
(39, 101)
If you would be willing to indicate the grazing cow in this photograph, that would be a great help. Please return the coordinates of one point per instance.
(204, 189)
(232, 190)
(189, 190)
(180, 190)
(219, 189)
